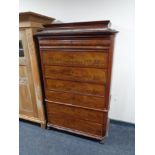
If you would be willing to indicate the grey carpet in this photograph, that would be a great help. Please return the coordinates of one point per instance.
(36, 141)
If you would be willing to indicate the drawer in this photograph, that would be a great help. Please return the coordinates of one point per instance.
(75, 87)
(74, 112)
(76, 99)
(81, 43)
(75, 58)
(76, 74)
(76, 42)
(75, 124)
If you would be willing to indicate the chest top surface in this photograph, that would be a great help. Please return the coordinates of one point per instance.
(78, 28)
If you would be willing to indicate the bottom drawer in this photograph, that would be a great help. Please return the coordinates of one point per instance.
(77, 113)
(76, 125)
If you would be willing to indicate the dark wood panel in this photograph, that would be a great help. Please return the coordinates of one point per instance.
(76, 99)
(76, 74)
(80, 42)
(75, 58)
(79, 25)
(75, 87)
(75, 124)
(77, 29)
(74, 112)
(64, 47)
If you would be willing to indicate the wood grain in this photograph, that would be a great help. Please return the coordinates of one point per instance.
(76, 99)
(75, 87)
(92, 42)
(73, 112)
(75, 58)
(72, 123)
(79, 74)
(35, 74)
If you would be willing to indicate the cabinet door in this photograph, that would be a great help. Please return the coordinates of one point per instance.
(27, 101)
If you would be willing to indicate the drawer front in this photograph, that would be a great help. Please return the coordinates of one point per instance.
(75, 124)
(75, 42)
(76, 74)
(76, 99)
(75, 87)
(75, 58)
(74, 112)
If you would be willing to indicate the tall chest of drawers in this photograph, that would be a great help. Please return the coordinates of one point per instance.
(76, 62)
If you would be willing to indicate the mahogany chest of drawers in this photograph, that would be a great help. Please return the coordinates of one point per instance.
(76, 62)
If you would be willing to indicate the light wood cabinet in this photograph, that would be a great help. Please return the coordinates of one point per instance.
(30, 92)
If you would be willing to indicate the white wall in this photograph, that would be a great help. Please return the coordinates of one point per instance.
(121, 14)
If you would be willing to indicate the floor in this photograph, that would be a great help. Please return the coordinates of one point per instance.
(37, 141)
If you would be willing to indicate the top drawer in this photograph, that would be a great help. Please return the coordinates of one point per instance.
(99, 43)
(75, 58)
